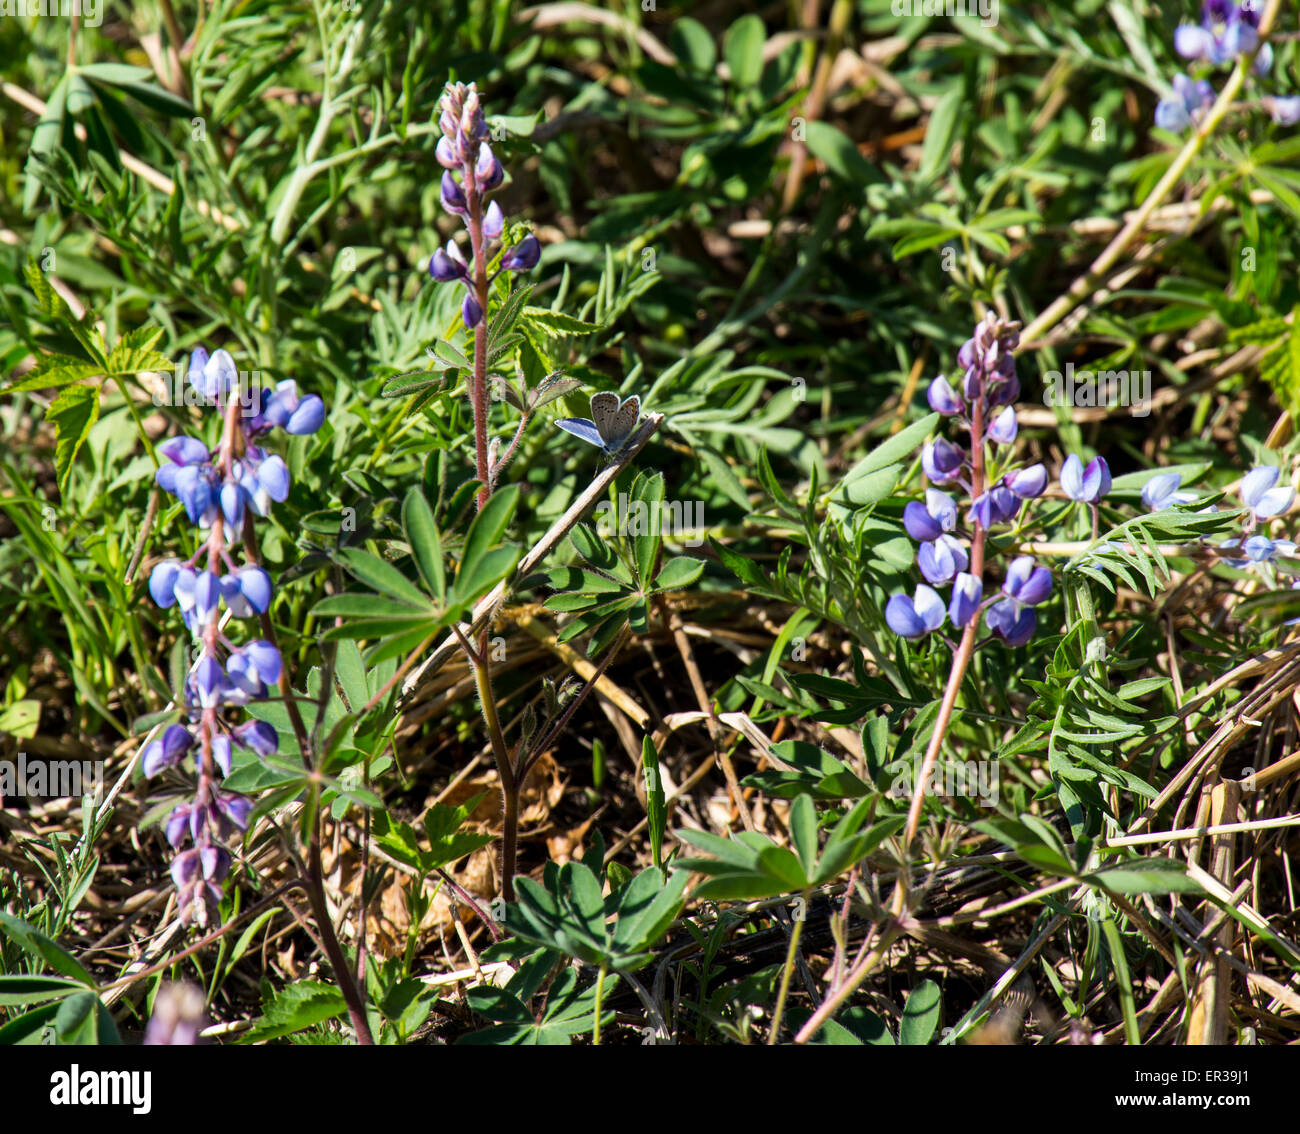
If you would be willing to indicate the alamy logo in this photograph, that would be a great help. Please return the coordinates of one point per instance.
(75, 1087)
(90, 11)
(971, 779)
(985, 10)
(681, 519)
(50, 779)
(1087, 389)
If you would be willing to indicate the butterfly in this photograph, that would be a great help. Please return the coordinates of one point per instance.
(611, 422)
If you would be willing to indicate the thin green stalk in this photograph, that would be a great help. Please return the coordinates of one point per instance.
(600, 997)
(779, 1013)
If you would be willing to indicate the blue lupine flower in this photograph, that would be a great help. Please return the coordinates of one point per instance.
(1261, 497)
(941, 461)
(930, 520)
(221, 753)
(167, 751)
(494, 222)
(247, 591)
(1004, 427)
(967, 591)
(1012, 621)
(914, 618)
(214, 377)
(1086, 485)
(257, 736)
(941, 559)
(1284, 111)
(1026, 583)
(1189, 101)
(1161, 492)
(523, 255)
(1226, 30)
(1027, 483)
(290, 412)
(942, 398)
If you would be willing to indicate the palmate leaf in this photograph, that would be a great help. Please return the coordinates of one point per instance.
(73, 413)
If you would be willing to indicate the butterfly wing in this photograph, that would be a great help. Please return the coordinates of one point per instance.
(629, 413)
(604, 409)
(581, 427)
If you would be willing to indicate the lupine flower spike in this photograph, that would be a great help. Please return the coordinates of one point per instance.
(983, 402)
(470, 172)
(221, 489)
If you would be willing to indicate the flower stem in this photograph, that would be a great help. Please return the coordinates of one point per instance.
(779, 1013)
(600, 996)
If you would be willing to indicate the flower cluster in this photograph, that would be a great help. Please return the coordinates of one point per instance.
(1264, 499)
(1227, 30)
(947, 554)
(220, 488)
(464, 149)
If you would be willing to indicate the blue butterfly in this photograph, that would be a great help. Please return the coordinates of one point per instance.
(611, 424)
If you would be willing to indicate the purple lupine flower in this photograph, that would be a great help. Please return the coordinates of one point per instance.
(941, 559)
(448, 265)
(1260, 495)
(1027, 583)
(1027, 483)
(1085, 485)
(1226, 30)
(942, 461)
(523, 256)
(929, 520)
(177, 1016)
(942, 398)
(1284, 111)
(1161, 492)
(1186, 105)
(470, 171)
(220, 489)
(919, 523)
(915, 617)
(967, 591)
(1004, 428)
(989, 387)
(213, 378)
(167, 751)
(1012, 621)
(258, 736)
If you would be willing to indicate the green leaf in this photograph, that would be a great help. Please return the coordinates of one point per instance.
(485, 533)
(73, 413)
(32, 989)
(647, 498)
(920, 1015)
(296, 1007)
(803, 832)
(20, 719)
(382, 576)
(680, 571)
(422, 534)
(33, 942)
(656, 811)
(831, 146)
(556, 324)
(742, 47)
